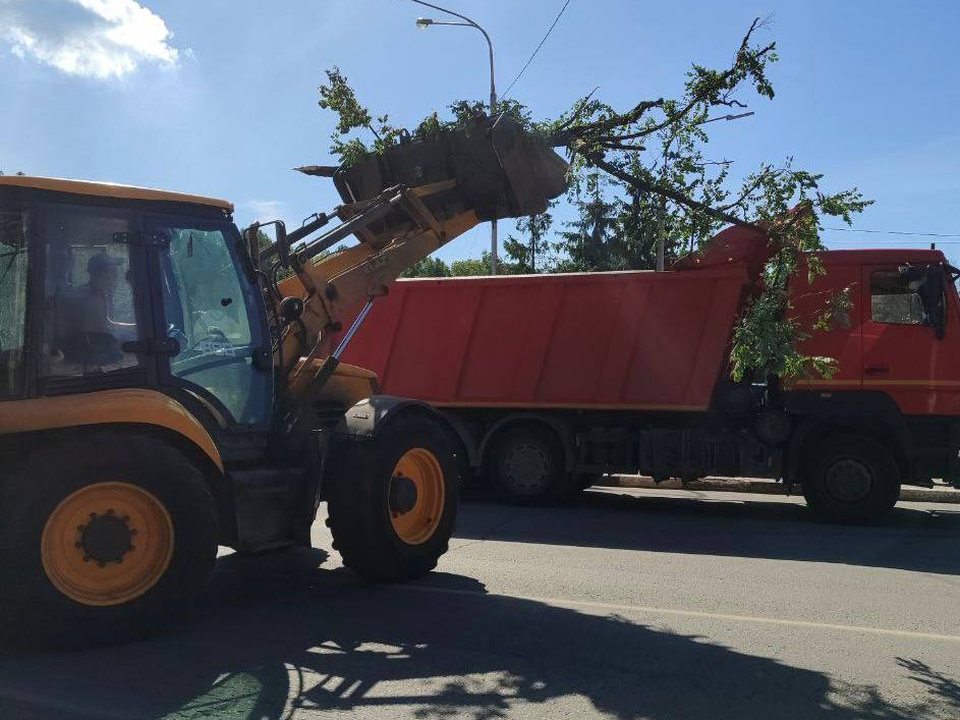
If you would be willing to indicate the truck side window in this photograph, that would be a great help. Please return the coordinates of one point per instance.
(13, 299)
(895, 300)
(89, 310)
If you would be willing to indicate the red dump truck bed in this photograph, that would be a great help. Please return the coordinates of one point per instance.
(639, 340)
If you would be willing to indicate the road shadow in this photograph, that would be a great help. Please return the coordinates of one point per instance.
(281, 636)
(737, 525)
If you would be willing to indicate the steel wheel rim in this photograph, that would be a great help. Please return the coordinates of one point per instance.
(526, 468)
(848, 480)
(82, 551)
(416, 525)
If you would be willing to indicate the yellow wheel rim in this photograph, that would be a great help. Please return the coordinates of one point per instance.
(107, 543)
(416, 496)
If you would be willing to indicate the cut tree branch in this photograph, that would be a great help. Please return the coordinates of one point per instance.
(597, 160)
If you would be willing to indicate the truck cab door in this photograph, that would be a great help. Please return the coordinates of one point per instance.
(841, 341)
(212, 321)
(902, 353)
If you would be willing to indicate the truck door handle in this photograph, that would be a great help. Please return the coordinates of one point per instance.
(876, 369)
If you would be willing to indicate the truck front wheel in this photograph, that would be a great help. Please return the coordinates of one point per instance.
(392, 500)
(852, 479)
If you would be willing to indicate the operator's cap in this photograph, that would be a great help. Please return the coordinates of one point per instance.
(102, 261)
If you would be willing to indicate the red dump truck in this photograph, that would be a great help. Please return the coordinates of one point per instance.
(547, 381)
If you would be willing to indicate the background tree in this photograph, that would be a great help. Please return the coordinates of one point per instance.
(428, 267)
(531, 252)
(590, 242)
(471, 267)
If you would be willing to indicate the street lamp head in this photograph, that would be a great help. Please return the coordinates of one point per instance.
(424, 23)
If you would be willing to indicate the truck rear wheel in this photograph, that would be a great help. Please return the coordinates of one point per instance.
(852, 479)
(105, 538)
(392, 500)
(527, 465)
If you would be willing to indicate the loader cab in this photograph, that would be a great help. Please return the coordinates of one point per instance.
(107, 287)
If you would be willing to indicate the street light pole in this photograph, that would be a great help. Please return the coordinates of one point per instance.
(424, 23)
(663, 177)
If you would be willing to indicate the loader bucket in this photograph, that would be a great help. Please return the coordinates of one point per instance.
(494, 169)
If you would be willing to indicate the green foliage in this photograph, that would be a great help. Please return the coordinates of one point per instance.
(427, 267)
(475, 267)
(529, 255)
(469, 267)
(338, 96)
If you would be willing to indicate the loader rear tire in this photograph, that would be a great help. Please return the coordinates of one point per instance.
(392, 499)
(105, 537)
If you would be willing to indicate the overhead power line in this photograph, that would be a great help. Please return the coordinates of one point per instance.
(537, 49)
(894, 232)
(938, 243)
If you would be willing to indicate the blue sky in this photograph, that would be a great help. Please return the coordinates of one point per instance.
(218, 97)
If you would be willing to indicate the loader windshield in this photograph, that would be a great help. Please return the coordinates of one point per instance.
(210, 309)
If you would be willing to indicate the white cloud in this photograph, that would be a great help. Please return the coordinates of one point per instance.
(265, 209)
(100, 39)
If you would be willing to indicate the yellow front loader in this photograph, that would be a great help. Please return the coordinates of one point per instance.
(169, 384)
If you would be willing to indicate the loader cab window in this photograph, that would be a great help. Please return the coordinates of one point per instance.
(900, 299)
(211, 309)
(89, 313)
(13, 300)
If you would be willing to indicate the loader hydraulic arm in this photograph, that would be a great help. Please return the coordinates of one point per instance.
(325, 287)
(402, 204)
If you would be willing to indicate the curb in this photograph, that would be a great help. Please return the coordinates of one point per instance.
(764, 487)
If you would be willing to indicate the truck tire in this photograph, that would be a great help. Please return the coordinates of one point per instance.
(105, 538)
(527, 466)
(392, 499)
(852, 479)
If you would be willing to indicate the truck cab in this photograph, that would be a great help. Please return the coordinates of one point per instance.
(897, 346)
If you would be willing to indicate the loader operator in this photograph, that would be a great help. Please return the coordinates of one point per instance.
(96, 336)
(96, 300)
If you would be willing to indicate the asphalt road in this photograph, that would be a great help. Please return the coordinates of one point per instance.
(634, 604)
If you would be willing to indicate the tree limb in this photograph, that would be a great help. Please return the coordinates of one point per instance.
(598, 161)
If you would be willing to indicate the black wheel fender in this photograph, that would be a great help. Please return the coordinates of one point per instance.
(369, 416)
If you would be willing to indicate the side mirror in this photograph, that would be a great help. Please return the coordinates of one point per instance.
(283, 245)
(931, 285)
(259, 251)
(251, 236)
(936, 286)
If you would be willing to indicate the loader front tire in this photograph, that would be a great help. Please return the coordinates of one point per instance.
(392, 499)
(106, 537)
